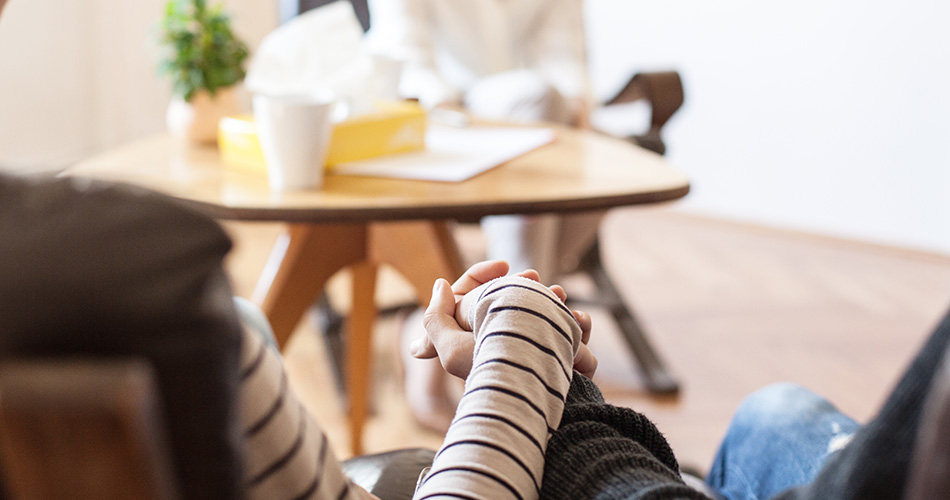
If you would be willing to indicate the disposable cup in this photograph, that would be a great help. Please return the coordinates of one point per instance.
(294, 133)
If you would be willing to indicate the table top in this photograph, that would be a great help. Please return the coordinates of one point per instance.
(581, 170)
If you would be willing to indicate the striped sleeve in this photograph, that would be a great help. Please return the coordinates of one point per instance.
(286, 454)
(525, 340)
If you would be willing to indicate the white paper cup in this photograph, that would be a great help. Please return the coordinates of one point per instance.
(294, 132)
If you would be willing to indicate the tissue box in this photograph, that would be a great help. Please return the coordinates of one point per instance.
(393, 127)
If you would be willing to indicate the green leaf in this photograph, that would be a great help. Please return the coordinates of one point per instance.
(200, 50)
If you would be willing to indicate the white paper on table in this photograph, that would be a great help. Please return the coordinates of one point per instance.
(453, 154)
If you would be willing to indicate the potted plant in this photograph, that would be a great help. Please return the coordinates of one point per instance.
(205, 61)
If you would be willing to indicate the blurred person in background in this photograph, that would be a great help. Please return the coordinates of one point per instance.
(515, 61)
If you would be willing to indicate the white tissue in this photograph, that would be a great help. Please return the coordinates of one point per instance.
(317, 51)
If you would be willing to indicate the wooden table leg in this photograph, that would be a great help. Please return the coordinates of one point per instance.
(422, 251)
(359, 350)
(308, 255)
(302, 261)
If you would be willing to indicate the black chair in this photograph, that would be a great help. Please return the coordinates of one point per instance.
(664, 92)
(292, 8)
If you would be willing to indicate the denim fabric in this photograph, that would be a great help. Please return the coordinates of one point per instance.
(779, 438)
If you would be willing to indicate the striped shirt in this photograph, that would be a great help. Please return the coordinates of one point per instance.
(286, 454)
(525, 340)
(514, 396)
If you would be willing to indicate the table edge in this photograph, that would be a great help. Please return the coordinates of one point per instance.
(437, 211)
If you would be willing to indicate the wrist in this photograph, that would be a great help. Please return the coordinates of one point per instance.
(525, 307)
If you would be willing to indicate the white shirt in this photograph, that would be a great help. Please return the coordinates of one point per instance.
(450, 44)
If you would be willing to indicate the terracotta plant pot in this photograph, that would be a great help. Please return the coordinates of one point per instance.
(197, 120)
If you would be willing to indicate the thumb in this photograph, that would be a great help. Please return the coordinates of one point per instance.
(439, 318)
(443, 299)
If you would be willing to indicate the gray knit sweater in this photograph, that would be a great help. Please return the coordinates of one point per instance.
(602, 451)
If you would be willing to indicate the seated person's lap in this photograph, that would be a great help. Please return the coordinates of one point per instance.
(780, 436)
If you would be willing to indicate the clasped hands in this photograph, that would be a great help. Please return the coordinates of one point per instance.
(449, 336)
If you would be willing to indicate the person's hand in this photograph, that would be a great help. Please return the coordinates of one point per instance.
(445, 338)
(469, 287)
(584, 360)
(448, 334)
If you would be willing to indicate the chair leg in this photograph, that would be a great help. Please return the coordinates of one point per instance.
(658, 378)
(331, 323)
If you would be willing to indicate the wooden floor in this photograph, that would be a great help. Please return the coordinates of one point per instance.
(731, 308)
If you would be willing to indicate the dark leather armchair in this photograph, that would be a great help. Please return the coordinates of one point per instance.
(97, 273)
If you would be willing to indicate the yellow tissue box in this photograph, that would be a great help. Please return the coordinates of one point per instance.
(393, 127)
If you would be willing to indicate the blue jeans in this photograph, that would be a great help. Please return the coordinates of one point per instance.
(779, 438)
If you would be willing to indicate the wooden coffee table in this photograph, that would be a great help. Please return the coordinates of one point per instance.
(362, 222)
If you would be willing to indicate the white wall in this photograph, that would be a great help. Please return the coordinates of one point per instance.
(78, 77)
(826, 116)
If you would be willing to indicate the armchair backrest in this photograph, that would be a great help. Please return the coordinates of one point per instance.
(663, 90)
(96, 271)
